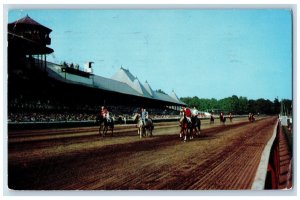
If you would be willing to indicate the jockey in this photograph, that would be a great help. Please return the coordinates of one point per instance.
(144, 115)
(194, 112)
(187, 113)
(105, 113)
(101, 112)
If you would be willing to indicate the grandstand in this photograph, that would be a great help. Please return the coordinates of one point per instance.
(37, 87)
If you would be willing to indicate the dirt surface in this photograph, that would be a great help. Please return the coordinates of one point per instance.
(224, 157)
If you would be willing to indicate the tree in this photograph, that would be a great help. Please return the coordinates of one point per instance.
(238, 105)
(276, 106)
(287, 106)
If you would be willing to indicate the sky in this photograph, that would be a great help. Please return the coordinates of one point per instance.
(212, 53)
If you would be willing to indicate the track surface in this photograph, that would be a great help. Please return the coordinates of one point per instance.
(224, 157)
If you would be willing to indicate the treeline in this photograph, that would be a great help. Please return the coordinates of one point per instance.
(238, 105)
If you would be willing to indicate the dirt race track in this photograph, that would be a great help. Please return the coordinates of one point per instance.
(224, 157)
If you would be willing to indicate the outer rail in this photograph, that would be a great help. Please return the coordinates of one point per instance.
(264, 166)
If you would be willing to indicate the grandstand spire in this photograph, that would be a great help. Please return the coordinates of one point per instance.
(148, 88)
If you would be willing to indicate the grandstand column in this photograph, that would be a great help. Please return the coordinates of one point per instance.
(45, 61)
(39, 60)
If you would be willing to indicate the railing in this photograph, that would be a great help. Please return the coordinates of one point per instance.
(266, 174)
(273, 171)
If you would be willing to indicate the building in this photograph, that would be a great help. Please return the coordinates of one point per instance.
(33, 81)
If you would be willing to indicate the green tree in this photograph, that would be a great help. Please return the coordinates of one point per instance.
(237, 105)
(276, 106)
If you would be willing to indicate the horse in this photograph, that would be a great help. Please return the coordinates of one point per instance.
(212, 119)
(251, 117)
(222, 119)
(186, 128)
(105, 124)
(143, 128)
(196, 124)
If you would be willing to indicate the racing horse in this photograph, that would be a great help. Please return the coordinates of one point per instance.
(143, 129)
(196, 125)
(251, 117)
(222, 119)
(212, 119)
(186, 129)
(105, 124)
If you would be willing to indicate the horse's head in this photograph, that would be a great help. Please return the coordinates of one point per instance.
(136, 117)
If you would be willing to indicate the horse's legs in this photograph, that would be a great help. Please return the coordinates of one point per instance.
(145, 132)
(191, 133)
(104, 131)
(185, 132)
(181, 132)
(100, 128)
(150, 132)
(141, 131)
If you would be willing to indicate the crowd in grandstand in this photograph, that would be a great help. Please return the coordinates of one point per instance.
(32, 111)
(48, 117)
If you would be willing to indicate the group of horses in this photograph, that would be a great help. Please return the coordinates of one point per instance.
(190, 129)
(108, 124)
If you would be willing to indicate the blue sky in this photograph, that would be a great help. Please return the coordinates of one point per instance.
(204, 53)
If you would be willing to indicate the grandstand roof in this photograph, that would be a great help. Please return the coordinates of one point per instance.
(113, 85)
(124, 76)
(29, 37)
(148, 88)
(28, 21)
(174, 96)
(121, 83)
(140, 88)
(125, 86)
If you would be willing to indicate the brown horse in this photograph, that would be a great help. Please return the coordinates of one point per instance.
(222, 118)
(196, 125)
(186, 129)
(251, 117)
(105, 124)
